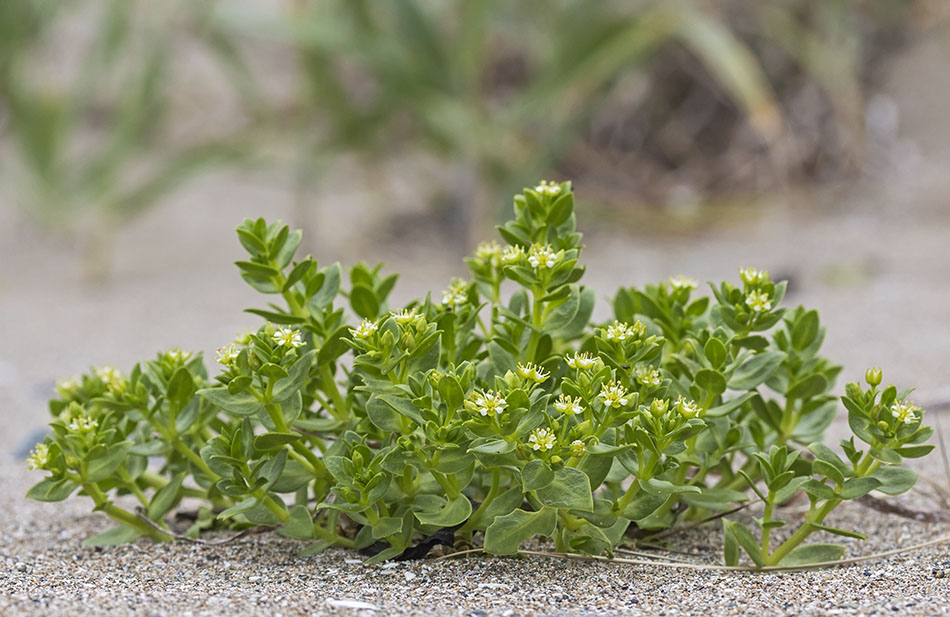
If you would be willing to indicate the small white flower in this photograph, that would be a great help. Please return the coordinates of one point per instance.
(108, 373)
(39, 457)
(67, 387)
(543, 256)
(512, 255)
(489, 252)
(758, 301)
(533, 372)
(285, 337)
(456, 294)
(405, 317)
(569, 406)
(541, 439)
(177, 355)
(227, 354)
(751, 276)
(582, 361)
(613, 395)
(365, 330)
(112, 379)
(548, 188)
(682, 282)
(905, 412)
(648, 376)
(578, 448)
(687, 409)
(489, 403)
(618, 331)
(82, 424)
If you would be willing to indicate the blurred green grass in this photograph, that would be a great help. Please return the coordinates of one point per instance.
(96, 128)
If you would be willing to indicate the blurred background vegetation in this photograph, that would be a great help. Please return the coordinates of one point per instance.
(106, 106)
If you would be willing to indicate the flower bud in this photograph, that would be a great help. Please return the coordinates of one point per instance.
(659, 406)
(873, 376)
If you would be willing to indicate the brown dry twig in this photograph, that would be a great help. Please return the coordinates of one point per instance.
(183, 538)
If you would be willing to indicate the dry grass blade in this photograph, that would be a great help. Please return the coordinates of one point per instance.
(183, 538)
(673, 530)
(713, 567)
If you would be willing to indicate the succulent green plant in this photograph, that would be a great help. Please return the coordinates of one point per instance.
(495, 410)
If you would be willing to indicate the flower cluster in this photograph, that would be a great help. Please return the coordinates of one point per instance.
(533, 372)
(906, 412)
(542, 439)
(618, 332)
(366, 329)
(682, 282)
(456, 295)
(613, 395)
(489, 403)
(648, 376)
(758, 301)
(751, 276)
(582, 361)
(227, 354)
(285, 337)
(569, 406)
(548, 188)
(542, 256)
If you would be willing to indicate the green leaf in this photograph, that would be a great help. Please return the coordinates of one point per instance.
(165, 498)
(914, 451)
(756, 370)
(451, 391)
(181, 387)
(730, 545)
(829, 471)
(731, 405)
(564, 314)
(104, 466)
(387, 526)
(817, 489)
(51, 489)
(665, 488)
(570, 488)
(272, 441)
(242, 404)
(492, 446)
(826, 454)
(113, 537)
(715, 352)
(295, 378)
(299, 525)
(643, 505)
(858, 487)
(239, 508)
(364, 302)
(895, 480)
(711, 381)
(805, 330)
(811, 386)
(811, 554)
(885, 455)
(506, 533)
(747, 542)
(455, 512)
(272, 469)
(501, 505)
(711, 496)
(841, 532)
(536, 475)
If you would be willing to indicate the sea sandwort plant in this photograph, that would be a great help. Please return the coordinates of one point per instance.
(494, 412)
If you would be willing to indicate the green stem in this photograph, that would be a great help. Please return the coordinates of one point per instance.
(132, 486)
(476, 516)
(122, 516)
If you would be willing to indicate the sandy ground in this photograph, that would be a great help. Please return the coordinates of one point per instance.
(875, 262)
